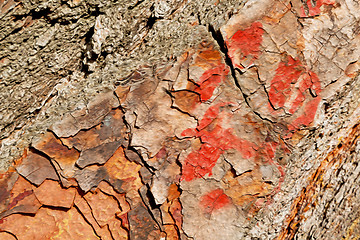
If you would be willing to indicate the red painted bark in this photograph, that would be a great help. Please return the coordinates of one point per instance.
(315, 9)
(288, 91)
(216, 140)
(287, 74)
(245, 44)
(214, 200)
(210, 80)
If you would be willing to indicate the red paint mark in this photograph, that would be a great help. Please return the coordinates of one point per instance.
(215, 140)
(199, 163)
(210, 115)
(214, 200)
(19, 197)
(287, 74)
(315, 9)
(245, 43)
(210, 80)
(311, 106)
(307, 117)
(287, 91)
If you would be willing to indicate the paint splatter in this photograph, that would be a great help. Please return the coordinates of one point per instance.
(210, 80)
(245, 44)
(215, 140)
(288, 91)
(214, 200)
(314, 7)
(283, 84)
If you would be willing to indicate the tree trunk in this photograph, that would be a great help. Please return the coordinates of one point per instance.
(179, 119)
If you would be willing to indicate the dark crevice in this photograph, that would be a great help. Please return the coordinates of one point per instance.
(7, 126)
(89, 34)
(150, 168)
(61, 21)
(312, 93)
(88, 55)
(177, 108)
(34, 14)
(16, 30)
(40, 153)
(135, 5)
(199, 19)
(86, 220)
(151, 199)
(94, 12)
(56, 208)
(111, 234)
(3, 215)
(45, 13)
(311, 233)
(151, 21)
(39, 14)
(326, 107)
(85, 69)
(216, 34)
(11, 234)
(150, 204)
(103, 54)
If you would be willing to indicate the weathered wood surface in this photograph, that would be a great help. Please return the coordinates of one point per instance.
(180, 119)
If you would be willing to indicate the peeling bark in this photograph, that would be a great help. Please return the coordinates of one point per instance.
(179, 119)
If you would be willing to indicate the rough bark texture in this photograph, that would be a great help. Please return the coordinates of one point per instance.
(179, 119)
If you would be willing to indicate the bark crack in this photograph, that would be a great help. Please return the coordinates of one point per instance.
(216, 34)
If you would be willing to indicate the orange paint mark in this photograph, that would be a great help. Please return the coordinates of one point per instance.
(214, 200)
(186, 100)
(245, 44)
(210, 55)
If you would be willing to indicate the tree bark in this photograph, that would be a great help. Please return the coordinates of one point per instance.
(179, 119)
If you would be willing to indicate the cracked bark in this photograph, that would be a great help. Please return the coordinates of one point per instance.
(175, 119)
